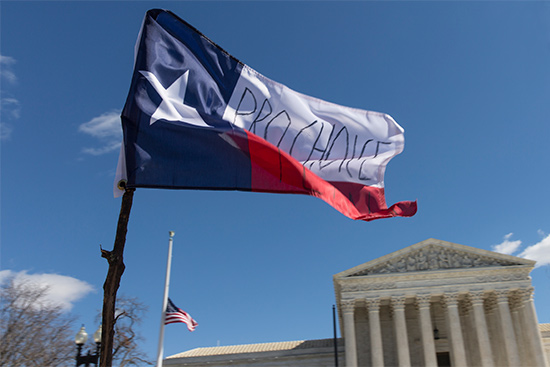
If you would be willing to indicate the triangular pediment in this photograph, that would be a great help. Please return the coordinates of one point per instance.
(432, 255)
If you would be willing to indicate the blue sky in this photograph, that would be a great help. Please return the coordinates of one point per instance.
(468, 81)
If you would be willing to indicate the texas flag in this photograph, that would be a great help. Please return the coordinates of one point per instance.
(198, 118)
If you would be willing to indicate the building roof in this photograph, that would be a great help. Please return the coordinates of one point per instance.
(434, 255)
(256, 348)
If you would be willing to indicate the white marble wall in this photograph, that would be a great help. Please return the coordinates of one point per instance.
(491, 328)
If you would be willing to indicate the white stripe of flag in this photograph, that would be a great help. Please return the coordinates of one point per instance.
(175, 314)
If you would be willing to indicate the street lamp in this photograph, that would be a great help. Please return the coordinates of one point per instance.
(80, 340)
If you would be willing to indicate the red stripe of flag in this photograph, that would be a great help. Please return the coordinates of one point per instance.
(175, 314)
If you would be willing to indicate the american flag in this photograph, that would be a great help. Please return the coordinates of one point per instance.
(175, 314)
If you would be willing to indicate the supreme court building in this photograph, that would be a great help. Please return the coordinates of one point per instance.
(434, 303)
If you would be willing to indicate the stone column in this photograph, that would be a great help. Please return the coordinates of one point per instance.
(494, 330)
(348, 309)
(481, 329)
(468, 329)
(426, 330)
(376, 349)
(524, 347)
(532, 328)
(507, 325)
(458, 352)
(400, 324)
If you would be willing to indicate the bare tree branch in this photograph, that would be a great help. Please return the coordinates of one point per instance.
(126, 351)
(32, 332)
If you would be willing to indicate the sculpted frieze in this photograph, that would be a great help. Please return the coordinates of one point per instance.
(358, 287)
(503, 277)
(434, 258)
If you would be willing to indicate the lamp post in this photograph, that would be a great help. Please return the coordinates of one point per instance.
(80, 340)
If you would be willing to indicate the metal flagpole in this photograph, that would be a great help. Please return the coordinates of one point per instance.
(165, 301)
(335, 338)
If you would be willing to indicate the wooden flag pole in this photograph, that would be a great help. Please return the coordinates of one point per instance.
(112, 282)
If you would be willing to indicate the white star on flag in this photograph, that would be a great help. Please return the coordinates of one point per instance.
(172, 107)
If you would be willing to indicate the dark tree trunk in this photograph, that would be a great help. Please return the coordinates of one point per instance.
(112, 282)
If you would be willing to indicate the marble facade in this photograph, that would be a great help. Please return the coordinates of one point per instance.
(434, 303)
(438, 303)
